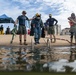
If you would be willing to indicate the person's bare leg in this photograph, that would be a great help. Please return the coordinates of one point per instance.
(25, 39)
(71, 38)
(75, 38)
(54, 38)
(51, 37)
(20, 38)
(46, 33)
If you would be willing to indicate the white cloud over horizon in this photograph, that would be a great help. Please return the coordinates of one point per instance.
(60, 9)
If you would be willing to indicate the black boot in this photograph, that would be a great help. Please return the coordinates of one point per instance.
(25, 42)
(35, 41)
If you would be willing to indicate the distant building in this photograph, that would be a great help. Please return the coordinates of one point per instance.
(57, 29)
(65, 31)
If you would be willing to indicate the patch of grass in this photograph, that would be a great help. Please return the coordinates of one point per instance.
(34, 73)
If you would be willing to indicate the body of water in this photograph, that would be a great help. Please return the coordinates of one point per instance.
(54, 59)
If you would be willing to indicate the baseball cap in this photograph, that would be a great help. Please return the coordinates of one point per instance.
(23, 12)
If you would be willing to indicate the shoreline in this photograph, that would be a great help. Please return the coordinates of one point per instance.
(37, 46)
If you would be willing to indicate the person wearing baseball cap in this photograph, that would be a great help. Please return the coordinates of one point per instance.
(51, 22)
(22, 27)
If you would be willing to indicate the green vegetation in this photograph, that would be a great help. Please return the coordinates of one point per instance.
(34, 73)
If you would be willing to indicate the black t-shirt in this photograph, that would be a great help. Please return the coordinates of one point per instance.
(51, 21)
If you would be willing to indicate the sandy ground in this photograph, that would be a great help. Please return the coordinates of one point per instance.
(5, 40)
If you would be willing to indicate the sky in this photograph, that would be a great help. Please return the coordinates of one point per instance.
(60, 9)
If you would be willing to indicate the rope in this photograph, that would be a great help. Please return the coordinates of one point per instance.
(61, 39)
(65, 40)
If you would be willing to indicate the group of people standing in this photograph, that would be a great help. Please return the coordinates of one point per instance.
(37, 25)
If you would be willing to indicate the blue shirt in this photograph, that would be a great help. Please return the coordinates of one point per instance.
(22, 19)
(51, 21)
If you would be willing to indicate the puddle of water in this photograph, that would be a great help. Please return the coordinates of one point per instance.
(56, 59)
(62, 65)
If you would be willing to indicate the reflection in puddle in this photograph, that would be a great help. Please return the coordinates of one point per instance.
(56, 59)
(62, 65)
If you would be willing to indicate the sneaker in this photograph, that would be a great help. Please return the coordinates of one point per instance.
(35, 43)
(38, 42)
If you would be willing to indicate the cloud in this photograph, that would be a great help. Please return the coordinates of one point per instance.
(60, 9)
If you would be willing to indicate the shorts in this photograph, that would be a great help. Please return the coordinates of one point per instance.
(73, 29)
(51, 30)
(22, 29)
